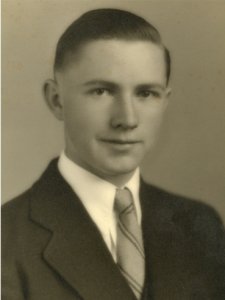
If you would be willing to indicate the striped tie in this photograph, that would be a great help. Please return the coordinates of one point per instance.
(130, 253)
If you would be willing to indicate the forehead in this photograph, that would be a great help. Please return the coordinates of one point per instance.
(118, 60)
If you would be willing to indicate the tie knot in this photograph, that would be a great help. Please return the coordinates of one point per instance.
(123, 200)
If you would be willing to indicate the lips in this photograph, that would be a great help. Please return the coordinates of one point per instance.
(120, 141)
(122, 146)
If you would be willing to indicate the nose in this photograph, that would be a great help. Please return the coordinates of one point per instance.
(124, 113)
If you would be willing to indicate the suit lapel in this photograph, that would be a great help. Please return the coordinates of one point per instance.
(76, 250)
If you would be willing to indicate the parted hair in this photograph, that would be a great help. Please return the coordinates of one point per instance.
(106, 24)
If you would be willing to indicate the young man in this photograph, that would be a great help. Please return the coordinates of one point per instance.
(90, 228)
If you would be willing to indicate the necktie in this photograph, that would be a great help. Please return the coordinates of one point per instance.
(130, 253)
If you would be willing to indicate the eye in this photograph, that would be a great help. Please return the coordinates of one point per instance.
(100, 91)
(148, 93)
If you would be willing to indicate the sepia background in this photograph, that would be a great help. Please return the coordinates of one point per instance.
(189, 157)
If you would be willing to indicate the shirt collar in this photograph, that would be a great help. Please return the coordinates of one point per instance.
(95, 192)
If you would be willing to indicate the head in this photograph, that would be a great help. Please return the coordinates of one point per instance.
(106, 24)
(110, 88)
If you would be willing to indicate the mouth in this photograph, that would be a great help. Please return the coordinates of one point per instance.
(121, 145)
(120, 141)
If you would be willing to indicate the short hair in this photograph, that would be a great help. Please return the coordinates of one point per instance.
(106, 24)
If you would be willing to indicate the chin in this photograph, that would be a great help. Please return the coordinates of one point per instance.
(121, 168)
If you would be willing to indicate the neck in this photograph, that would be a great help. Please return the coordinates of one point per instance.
(118, 180)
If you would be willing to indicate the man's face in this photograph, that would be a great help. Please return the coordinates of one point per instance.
(113, 99)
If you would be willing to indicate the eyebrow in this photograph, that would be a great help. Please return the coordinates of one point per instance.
(146, 86)
(115, 85)
(101, 82)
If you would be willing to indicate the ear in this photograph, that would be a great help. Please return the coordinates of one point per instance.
(52, 98)
(168, 92)
(167, 95)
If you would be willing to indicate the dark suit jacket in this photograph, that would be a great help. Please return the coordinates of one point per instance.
(53, 251)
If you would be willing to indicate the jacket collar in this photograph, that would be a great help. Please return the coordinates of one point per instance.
(76, 250)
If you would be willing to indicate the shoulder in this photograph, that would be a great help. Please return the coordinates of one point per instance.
(16, 212)
(20, 202)
(195, 222)
(176, 201)
(192, 215)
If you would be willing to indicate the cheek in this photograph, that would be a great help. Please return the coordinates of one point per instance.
(151, 127)
(84, 109)
(83, 124)
(74, 121)
(153, 119)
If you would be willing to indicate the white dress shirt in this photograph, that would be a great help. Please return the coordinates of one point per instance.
(97, 196)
